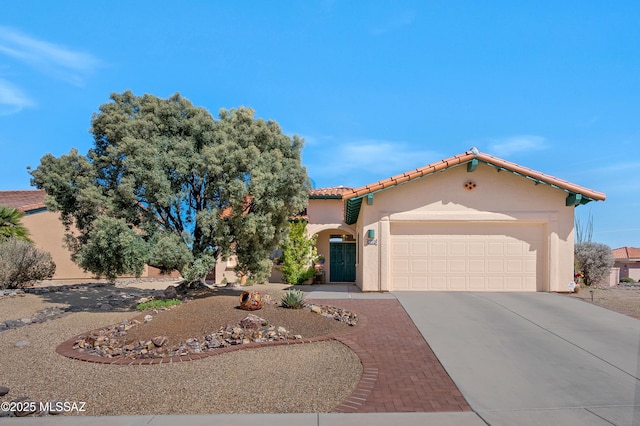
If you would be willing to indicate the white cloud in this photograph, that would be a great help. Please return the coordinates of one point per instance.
(505, 147)
(12, 99)
(48, 58)
(360, 162)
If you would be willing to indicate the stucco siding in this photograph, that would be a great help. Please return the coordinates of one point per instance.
(47, 233)
(495, 198)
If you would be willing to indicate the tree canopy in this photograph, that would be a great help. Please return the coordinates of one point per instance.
(179, 187)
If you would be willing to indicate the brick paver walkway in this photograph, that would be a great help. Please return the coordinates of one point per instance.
(401, 372)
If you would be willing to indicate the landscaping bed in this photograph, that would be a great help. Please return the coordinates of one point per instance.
(308, 378)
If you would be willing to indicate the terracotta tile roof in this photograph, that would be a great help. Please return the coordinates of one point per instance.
(332, 192)
(465, 158)
(25, 200)
(626, 253)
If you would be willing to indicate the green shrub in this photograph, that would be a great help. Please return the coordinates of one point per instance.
(199, 269)
(298, 254)
(627, 280)
(594, 261)
(293, 299)
(21, 264)
(155, 304)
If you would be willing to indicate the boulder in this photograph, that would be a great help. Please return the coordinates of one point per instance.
(170, 293)
(160, 340)
(252, 322)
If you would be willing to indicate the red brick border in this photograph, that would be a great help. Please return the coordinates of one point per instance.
(400, 371)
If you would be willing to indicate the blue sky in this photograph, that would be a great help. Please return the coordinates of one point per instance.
(374, 87)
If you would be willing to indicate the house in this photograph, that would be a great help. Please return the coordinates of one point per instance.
(472, 222)
(47, 233)
(627, 259)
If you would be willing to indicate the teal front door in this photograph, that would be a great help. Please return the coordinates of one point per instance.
(342, 262)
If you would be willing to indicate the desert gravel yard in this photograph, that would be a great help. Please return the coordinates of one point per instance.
(624, 298)
(303, 378)
(299, 378)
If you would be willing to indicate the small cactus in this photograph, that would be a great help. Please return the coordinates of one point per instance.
(293, 299)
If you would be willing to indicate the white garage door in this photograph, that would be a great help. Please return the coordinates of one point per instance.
(466, 256)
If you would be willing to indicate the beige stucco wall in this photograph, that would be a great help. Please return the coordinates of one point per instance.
(47, 232)
(326, 217)
(498, 197)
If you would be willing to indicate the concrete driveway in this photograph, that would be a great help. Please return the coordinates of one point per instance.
(534, 358)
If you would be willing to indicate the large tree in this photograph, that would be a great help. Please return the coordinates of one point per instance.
(178, 186)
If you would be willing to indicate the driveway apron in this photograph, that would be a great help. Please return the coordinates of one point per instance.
(534, 358)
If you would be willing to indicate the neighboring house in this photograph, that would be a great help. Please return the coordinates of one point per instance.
(472, 222)
(628, 260)
(47, 233)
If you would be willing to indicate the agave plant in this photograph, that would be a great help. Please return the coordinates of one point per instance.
(293, 299)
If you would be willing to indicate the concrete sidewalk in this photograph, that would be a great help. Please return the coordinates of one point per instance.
(324, 419)
(534, 358)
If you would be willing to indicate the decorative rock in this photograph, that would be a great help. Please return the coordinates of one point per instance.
(4, 390)
(106, 307)
(250, 300)
(252, 328)
(252, 322)
(21, 343)
(160, 341)
(170, 292)
(13, 323)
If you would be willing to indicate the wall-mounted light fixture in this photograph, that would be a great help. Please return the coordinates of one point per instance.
(371, 237)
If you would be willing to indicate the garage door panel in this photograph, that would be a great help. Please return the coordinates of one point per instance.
(437, 248)
(400, 248)
(458, 248)
(400, 266)
(438, 265)
(515, 249)
(419, 248)
(463, 257)
(514, 266)
(419, 265)
(438, 283)
(418, 282)
(457, 283)
(495, 249)
(495, 266)
(457, 266)
(476, 249)
(495, 283)
(530, 266)
(401, 283)
(476, 266)
(476, 283)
